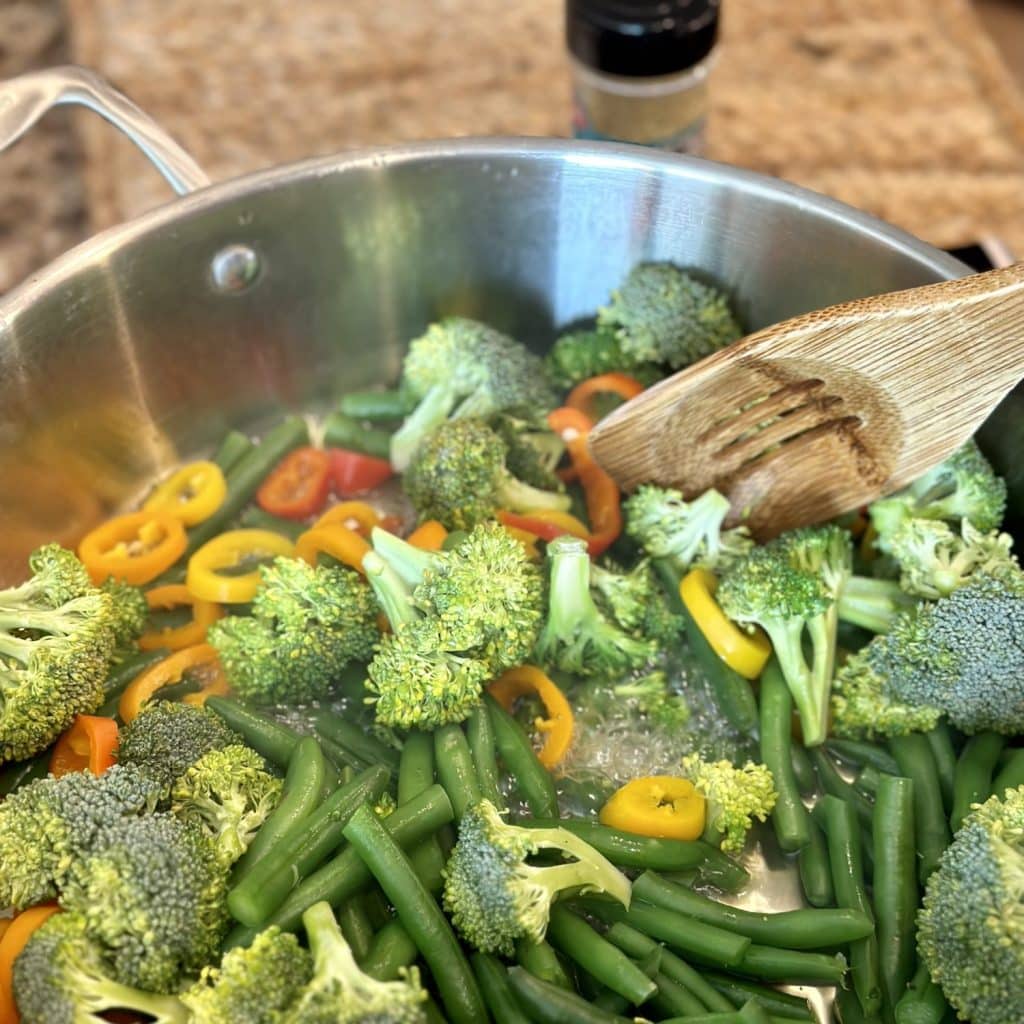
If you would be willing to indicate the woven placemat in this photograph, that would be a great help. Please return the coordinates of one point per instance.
(902, 108)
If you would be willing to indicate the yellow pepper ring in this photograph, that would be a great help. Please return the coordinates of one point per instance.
(356, 515)
(134, 548)
(177, 595)
(527, 539)
(205, 582)
(557, 727)
(336, 540)
(167, 673)
(663, 806)
(191, 494)
(745, 653)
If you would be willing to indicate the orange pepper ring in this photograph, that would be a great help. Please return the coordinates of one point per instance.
(174, 638)
(105, 551)
(335, 540)
(167, 673)
(557, 728)
(364, 516)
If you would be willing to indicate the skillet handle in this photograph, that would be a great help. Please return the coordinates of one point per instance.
(24, 100)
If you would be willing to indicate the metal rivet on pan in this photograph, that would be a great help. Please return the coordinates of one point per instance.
(234, 268)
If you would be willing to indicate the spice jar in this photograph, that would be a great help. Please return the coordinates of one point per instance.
(640, 70)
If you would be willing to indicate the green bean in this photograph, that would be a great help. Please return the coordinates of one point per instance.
(674, 1000)
(789, 966)
(377, 908)
(627, 850)
(419, 913)
(431, 1014)
(301, 850)
(1011, 774)
(612, 1001)
(752, 1012)
(453, 540)
(844, 851)
(636, 944)
(492, 977)
(390, 951)
(835, 785)
(356, 740)
(740, 991)
(548, 1004)
(345, 874)
(415, 775)
(540, 959)
(341, 431)
(355, 926)
(815, 872)
(455, 770)
(232, 448)
(303, 785)
(803, 770)
(923, 1002)
(246, 476)
(532, 779)
(850, 1010)
(341, 757)
(972, 783)
(20, 773)
(861, 753)
(480, 734)
(790, 929)
(940, 739)
(121, 676)
(577, 940)
(913, 753)
(274, 741)
(895, 883)
(691, 937)
(255, 518)
(377, 405)
(867, 780)
(734, 694)
(789, 816)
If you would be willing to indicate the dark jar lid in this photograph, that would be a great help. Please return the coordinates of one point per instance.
(641, 38)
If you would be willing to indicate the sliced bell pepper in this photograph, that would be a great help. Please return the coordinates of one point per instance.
(191, 494)
(231, 549)
(556, 727)
(663, 806)
(14, 940)
(177, 595)
(745, 653)
(355, 473)
(527, 539)
(336, 540)
(356, 515)
(200, 660)
(134, 548)
(582, 397)
(544, 524)
(428, 536)
(298, 485)
(601, 493)
(89, 745)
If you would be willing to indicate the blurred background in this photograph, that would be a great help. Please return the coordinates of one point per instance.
(913, 109)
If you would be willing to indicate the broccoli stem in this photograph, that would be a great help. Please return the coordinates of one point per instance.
(588, 865)
(517, 496)
(871, 604)
(809, 691)
(390, 590)
(409, 562)
(328, 945)
(432, 410)
(107, 994)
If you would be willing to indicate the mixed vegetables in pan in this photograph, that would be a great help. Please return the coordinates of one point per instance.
(408, 715)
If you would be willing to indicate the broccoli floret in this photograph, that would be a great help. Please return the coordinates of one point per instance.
(340, 993)
(153, 898)
(253, 985)
(934, 559)
(419, 677)
(51, 822)
(963, 487)
(735, 797)
(580, 355)
(533, 451)
(165, 739)
(685, 533)
(487, 595)
(961, 656)
(873, 604)
(637, 602)
(461, 368)
(129, 611)
(60, 977)
(789, 587)
(660, 314)
(576, 637)
(970, 928)
(57, 636)
(228, 794)
(460, 477)
(307, 625)
(492, 894)
(653, 698)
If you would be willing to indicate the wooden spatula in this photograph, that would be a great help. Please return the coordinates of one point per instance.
(822, 413)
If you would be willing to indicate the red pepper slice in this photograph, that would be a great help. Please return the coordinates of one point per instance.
(297, 487)
(89, 745)
(355, 473)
